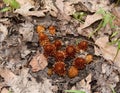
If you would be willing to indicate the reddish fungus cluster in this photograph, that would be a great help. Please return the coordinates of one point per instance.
(54, 49)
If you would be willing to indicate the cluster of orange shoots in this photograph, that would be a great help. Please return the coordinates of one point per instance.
(53, 49)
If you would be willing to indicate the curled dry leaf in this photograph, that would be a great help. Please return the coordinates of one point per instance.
(91, 19)
(108, 51)
(39, 62)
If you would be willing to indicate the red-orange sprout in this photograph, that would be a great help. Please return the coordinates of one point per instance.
(52, 30)
(59, 68)
(83, 45)
(58, 44)
(70, 51)
(60, 55)
(40, 29)
(49, 49)
(72, 72)
(79, 63)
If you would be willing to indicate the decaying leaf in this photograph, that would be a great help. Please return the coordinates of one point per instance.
(39, 62)
(27, 30)
(108, 51)
(84, 84)
(25, 10)
(90, 19)
(3, 32)
(65, 7)
(94, 5)
(4, 90)
(22, 2)
(116, 12)
(49, 6)
(21, 84)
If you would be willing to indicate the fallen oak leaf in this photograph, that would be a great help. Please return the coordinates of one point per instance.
(90, 19)
(25, 10)
(39, 62)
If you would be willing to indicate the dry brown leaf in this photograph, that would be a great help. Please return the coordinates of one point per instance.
(21, 84)
(4, 90)
(25, 10)
(117, 22)
(22, 2)
(85, 32)
(51, 7)
(85, 84)
(116, 12)
(3, 32)
(65, 9)
(27, 30)
(39, 62)
(94, 5)
(108, 51)
(90, 19)
(7, 75)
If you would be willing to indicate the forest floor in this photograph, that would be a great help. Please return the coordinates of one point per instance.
(28, 53)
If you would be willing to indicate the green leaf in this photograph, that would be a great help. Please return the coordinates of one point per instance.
(101, 11)
(114, 34)
(106, 20)
(75, 91)
(75, 15)
(79, 16)
(111, 21)
(12, 3)
(5, 9)
(119, 44)
(6, 1)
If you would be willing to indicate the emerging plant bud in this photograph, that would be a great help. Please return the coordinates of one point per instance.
(70, 51)
(49, 49)
(73, 72)
(60, 56)
(83, 45)
(59, 68)
(50, 71)
(58, 44)
(88, 58)
(79, 63)
(52, 30)
(43, 37)
(40, 29)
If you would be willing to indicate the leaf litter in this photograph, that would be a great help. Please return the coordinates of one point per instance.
(24, 69)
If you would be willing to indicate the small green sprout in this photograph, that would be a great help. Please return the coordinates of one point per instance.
(12, 4)
(108, 18)
(113, 91)
(79, 16)
(74, 91)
